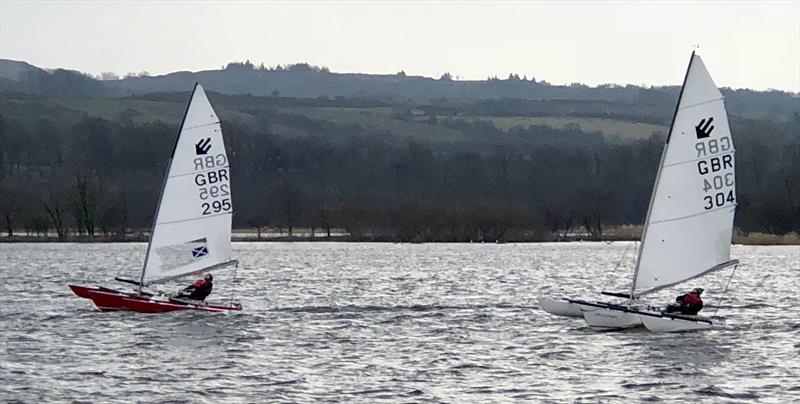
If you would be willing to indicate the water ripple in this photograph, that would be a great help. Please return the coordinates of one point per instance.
(333, 322)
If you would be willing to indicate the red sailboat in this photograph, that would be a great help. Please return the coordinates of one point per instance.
(192, 230)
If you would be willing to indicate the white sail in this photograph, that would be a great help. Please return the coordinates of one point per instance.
(192, 230)
(690, 221)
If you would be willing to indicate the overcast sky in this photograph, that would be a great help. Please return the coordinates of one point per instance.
(744, 44)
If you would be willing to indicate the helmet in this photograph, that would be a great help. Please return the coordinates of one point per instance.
(699, 291)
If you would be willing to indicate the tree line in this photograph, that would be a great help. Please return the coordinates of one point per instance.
(103, 176)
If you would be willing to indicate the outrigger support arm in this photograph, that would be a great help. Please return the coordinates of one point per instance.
(616, 294)
(126, 280)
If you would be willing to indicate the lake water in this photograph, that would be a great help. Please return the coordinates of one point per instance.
(392, 322)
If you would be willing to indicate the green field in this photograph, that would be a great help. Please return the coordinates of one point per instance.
(378, 119)
(610, 127)
(141, 111)
(375, 120)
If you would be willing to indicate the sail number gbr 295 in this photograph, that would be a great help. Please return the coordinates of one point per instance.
(213, 185)
(716, 171)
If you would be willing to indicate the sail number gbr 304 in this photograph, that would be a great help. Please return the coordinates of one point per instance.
(213, 183)
(715, 166)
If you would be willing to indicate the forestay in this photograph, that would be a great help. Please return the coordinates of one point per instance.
(192, 230)
(688, 231)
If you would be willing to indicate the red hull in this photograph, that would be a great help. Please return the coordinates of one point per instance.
(111, 300)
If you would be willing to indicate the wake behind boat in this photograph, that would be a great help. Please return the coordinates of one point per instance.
(689, 225)
(192, 230)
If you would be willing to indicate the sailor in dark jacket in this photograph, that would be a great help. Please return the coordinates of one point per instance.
(200, 289)
(689, 304)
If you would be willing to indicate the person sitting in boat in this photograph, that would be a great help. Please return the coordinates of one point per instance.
(689, 303)
(198, 290)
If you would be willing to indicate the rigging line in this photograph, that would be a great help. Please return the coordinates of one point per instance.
(233, 286)
(616, 267)
(726, 290)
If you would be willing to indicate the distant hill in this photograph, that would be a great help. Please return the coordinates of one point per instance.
(13, 70)
(24, 77)
(303, 80)
(306, 81)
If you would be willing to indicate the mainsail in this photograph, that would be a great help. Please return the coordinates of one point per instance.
(690, 221)
(192, 230)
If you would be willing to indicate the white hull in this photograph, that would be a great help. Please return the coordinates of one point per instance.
(619, 318)
(560, 307)
(605, 319)
(672, 324)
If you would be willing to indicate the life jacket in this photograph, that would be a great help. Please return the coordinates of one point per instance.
(692, 300)
(202, 289)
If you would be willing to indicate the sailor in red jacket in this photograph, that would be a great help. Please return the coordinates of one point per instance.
(690, 303)
(200, 289)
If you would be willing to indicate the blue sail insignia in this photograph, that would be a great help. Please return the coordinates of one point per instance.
(200, 252)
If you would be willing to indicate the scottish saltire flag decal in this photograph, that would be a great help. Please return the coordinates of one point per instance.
(177, 255)
(200, 252)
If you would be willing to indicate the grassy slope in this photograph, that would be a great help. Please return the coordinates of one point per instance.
(610, 127)
(371, 119)
(378, 119)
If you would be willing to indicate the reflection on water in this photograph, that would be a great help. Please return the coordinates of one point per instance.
(396, 322)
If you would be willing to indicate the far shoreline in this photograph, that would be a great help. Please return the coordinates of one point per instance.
(739, 238)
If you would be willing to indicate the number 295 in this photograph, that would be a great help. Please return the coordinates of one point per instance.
(216, 206)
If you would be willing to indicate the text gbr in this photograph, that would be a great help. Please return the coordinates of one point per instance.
(213, 183)
(716, 158)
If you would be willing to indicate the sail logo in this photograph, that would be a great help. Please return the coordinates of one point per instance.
(200, 252)
(203, 146)
(704, 128)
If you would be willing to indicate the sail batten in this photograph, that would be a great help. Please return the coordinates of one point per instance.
(194, 219)
(690, 219)
(700, 103)
(695, 160)
(192, 228)
(690, 216)
(201, 126)
(726, 264)
(197, 172)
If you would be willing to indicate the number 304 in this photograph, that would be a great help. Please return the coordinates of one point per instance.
(718, 199)
(216, 206)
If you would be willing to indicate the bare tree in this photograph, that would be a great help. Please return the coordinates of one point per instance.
(89, 191)
(8, 207)
(54, 206)
(289, 205)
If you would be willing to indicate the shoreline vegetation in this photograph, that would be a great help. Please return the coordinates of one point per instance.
(625, 233)
(409, 160)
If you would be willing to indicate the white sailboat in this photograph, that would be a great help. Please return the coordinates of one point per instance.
(191, 232)
(689, 224)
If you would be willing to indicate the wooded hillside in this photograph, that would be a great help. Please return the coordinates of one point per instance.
(418, 164)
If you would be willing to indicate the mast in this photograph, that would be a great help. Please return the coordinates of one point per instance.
(658, 176)
(163, 186)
